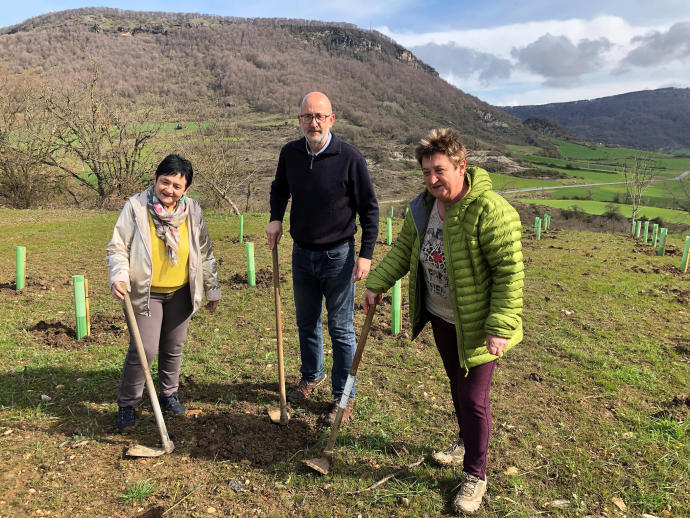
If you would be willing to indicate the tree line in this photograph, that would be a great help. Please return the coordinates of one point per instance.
(83, 143)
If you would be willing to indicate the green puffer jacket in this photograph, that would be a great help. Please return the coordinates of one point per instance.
(481, 242)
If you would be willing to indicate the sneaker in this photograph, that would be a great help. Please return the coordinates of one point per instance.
(125, 417)
(451, 457)
(305, 389)
(469, 497)
(171, 404)
(329, 417)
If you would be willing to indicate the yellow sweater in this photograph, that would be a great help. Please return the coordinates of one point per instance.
(166, 277)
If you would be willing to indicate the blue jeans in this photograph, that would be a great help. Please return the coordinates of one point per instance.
(328, 274)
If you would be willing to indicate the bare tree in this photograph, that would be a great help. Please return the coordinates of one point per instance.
(25, 144)
(215, 158)
(102, 146)
(638, 174)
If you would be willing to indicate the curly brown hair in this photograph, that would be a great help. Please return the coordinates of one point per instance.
(441, 140)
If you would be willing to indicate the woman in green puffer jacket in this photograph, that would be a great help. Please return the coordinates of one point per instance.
(460, 242)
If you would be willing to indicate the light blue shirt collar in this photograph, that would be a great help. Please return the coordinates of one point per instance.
(306, 143)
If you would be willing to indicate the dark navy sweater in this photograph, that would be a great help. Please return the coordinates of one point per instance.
(327, 191)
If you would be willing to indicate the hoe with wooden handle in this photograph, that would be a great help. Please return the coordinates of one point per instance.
(168, 446)
(323, 463)
(279, 415)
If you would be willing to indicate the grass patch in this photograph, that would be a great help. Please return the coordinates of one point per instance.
(585, 409)
(600, 207)
(138, 491)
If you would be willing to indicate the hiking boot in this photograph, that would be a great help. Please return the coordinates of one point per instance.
(469, 497)
(451, 457)
(125, 417)
(171, 404)
(305, 389)
(329, 417)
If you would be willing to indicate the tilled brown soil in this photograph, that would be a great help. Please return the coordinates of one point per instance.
(29, 284)
(262, 277)
(61, 335)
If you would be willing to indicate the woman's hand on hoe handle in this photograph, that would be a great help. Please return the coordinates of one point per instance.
(369, 300)
(119, 288)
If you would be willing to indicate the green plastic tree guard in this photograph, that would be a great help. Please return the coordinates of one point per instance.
(21, 267)
(547, 221)
(395, 310)
(646, 231)
(251, 276)
(79, 305)
(392, 213)
(662, 241)
(684, 261)
(632, 229)
(241, 236)
(389, 231)
(537, 227)
(655, 234)
(638, 229)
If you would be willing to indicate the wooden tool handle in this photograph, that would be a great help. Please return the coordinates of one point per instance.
(279, 336)
(134, 330)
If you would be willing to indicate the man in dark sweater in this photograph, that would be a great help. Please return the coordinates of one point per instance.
(329, 183)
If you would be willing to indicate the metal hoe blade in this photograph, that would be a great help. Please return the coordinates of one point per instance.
(276, 416)
(140, 450)
(320, 464)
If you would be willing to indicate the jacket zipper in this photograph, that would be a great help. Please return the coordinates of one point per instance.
(451, 283)
(148, 286)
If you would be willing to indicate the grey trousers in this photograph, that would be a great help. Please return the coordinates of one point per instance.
(164, 332)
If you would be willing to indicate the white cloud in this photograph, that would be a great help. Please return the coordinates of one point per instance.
(560, 60)
(500, 40)
(451, 59)
(660, 47)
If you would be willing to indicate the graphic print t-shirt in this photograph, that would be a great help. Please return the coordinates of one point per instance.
(437, 297)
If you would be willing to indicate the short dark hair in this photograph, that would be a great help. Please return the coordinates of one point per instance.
(176, 164)
(441, 140)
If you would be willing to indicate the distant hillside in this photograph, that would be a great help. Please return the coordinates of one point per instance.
(192, 64)
(548, 127)
(657, 120)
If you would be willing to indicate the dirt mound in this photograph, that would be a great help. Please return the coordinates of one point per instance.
(677, 409)
(29, 283)
(641, 248)
(64, 336)
(249, 238)
(263, 278)
(668, 269)
(55, 334)
(242, 437)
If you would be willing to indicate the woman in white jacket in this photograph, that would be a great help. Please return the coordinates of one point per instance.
(161, 253)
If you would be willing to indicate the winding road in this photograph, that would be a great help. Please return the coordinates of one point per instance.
(532, 189)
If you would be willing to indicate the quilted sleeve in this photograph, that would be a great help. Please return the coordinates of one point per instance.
(500, 232)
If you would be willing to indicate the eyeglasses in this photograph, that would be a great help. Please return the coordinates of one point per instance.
(308, 117)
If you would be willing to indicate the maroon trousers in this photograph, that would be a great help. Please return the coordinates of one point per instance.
(470, 397)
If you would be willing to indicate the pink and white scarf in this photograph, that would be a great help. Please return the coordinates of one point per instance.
(166, 222)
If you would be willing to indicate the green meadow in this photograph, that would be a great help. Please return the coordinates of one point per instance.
(590, 411)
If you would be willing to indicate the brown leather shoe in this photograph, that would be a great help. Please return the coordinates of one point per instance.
(305, 389)
(329, 417)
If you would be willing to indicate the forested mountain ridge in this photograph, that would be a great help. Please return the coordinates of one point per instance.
(656, 120)
(191, 63)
